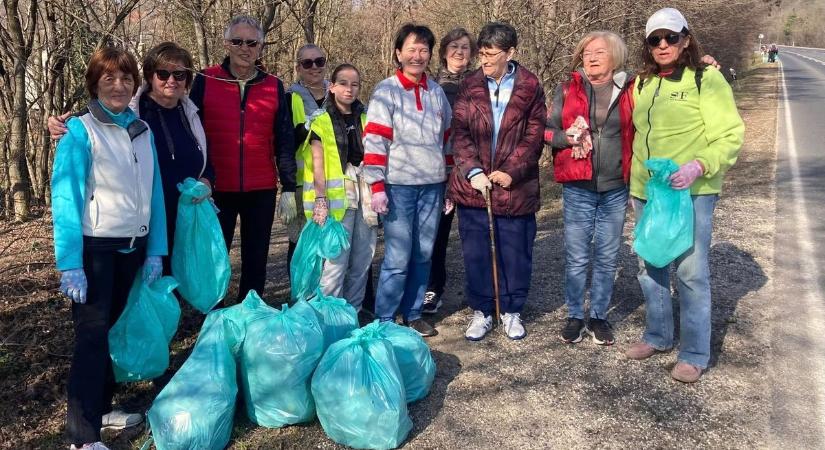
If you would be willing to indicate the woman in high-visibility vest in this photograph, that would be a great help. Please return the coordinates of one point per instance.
(333, 184)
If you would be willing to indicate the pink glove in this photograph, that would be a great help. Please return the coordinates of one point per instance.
(686, 175)
(380, 202)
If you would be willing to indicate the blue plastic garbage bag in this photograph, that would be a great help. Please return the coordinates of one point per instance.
(139, 340)
(195, 410)
(359, 393)
(280, 351)
(200, 261)
(665, 230)
(315, 244)
(337, 317)
(413, 356)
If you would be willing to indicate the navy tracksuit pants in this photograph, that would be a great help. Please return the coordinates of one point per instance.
(514, 248)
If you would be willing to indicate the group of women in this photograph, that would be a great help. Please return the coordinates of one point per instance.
(425, 148)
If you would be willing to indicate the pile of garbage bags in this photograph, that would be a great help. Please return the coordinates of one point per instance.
(359, 387)
(293, 363)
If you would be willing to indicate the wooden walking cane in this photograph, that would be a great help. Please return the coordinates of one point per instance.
(488, 195)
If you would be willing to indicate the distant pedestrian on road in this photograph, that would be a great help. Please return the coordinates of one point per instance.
(498, 127)
(593, 165)
(405, 162)
(456, 50)
(697, 126)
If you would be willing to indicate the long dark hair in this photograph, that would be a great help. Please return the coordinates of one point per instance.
(330, 100)
(690, 57)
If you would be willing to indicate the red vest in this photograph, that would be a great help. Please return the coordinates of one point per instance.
(565, 168)
(241, 135)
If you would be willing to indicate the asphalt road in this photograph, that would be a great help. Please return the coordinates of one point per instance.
(798, 344)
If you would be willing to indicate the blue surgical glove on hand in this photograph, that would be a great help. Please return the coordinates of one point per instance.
(73, 285)
(152, 269)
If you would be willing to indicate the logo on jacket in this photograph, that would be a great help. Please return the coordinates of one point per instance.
(679, 96)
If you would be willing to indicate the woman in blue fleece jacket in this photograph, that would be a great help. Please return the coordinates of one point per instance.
(109, 219)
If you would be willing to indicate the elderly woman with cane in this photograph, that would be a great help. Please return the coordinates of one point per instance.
(696, 124)
(497, 165)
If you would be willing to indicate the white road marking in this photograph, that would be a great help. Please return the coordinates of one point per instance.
(809, 274)
(807, 57)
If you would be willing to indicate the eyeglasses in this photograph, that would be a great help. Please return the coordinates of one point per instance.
(251, 43)
(489, 55)
(598, 54)
(671, 39)
(178, 75)
(307, 63)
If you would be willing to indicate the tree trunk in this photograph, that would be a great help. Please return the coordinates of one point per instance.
(200, 39)
(18, 172)
(310, 9)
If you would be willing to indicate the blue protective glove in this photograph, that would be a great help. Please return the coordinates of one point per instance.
(73, 285)
(152, 269)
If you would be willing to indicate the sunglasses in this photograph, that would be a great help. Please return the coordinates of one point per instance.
(307, 63)
(251, 43)
(671, 39)
(178, 75)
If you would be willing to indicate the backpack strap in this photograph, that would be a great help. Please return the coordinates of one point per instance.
(697, 77)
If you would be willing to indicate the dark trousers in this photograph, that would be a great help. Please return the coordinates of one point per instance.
(514, 251)
(438, 271)
(91, 384)
(257, 212)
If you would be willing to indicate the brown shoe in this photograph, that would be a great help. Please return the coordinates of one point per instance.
(686, 373)
(640, 350)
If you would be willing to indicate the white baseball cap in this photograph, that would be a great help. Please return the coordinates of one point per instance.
(667, 19)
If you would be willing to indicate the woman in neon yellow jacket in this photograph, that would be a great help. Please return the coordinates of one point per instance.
(332, 183)
(685, 112)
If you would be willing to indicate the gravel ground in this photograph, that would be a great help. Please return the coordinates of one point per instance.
(534, 393)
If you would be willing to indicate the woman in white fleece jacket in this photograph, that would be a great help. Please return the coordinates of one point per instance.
(405, 161)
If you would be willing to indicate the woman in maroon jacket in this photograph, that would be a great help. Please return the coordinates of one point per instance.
(498, 128)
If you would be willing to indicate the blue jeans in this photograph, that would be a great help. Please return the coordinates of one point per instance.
(693, 284)
(409, 232)
(596, 217)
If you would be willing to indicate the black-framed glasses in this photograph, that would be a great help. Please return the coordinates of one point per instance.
(251, 43)
(670, 38)
(163, 75)
(319, 62)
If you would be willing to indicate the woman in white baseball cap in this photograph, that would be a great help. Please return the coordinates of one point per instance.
(685, 112)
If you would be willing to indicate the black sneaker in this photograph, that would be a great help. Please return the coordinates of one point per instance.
(601, 331)
(422, 327)
(574, 331)
(432, 302)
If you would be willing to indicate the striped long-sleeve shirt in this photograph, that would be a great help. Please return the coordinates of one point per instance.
(406, 139)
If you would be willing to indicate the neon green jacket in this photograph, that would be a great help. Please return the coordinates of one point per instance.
(675, 119)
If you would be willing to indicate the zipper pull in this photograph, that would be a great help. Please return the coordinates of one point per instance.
(134, 155)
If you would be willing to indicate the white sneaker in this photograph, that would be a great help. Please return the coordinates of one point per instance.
(479, 326)
(92, 446)
(512, 326)
(118, 420)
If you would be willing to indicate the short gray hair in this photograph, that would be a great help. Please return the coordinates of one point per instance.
(244, 20)
(615, 46)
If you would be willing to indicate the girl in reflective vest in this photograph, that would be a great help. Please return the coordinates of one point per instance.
(333, 184)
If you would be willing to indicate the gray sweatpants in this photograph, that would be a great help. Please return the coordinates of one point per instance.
(346, 275)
